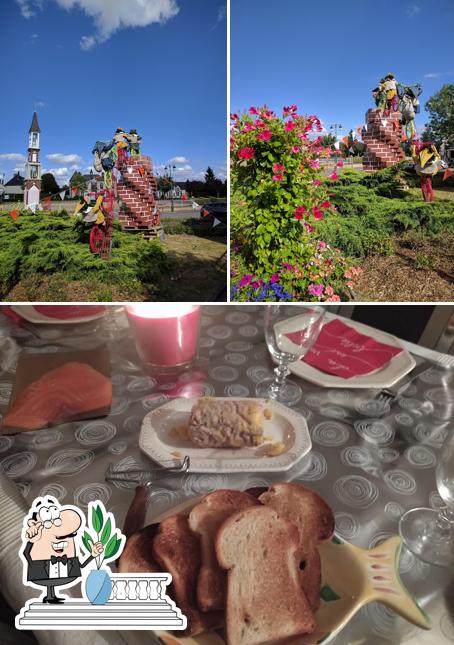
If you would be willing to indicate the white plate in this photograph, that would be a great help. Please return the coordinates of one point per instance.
(398, 367)
(29, 313)
(287, 426)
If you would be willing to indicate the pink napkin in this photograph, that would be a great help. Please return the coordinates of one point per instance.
(65, 312)
(342, 351)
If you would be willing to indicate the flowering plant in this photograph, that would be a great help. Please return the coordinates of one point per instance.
(275, 171)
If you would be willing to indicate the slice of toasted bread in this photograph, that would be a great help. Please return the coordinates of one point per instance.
(177, 550)
(315, 522)
(137, 556)
(205, 520)
(265, 601)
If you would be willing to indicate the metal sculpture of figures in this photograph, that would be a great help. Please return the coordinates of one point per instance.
(104, 159)
(134, 142)
(409, 106)
(121, 143)
(385, 95)
(427, 164)
(92, 216)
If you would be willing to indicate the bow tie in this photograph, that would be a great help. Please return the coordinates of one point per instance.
(54, 559)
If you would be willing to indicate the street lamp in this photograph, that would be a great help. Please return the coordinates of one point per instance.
(169, 169)
(336, 128)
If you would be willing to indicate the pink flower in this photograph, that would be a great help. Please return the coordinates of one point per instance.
(291, 109)
(278, 167)
(260, 124)
(246, 153)
(257, 284)
(299, 212)
(329, 291)
(340, 164)
(253, 110)
(334, 176)
(317, 182)
(316, 290)
(322, 244)
(308, 227)
(288, 266)
(314, 163)
(248, 127)
(274, 278)
(265, 135)
(234, 117)
(325, 204)
(289, 126)
(245, 280)
(295, 149)
(267, 114)
(278, 177)
(350, 285)
(317, 213)
(333, 299)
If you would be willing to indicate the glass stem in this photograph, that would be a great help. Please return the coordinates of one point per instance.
(280, 374)
(445, 520)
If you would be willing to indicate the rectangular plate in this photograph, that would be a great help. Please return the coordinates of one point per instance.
(287, 426)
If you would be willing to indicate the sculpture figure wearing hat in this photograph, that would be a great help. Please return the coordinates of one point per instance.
(134, 142)
(121, 143)
(385, 94)
(427, 163)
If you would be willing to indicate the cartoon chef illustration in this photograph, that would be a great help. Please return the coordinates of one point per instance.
(50, 553)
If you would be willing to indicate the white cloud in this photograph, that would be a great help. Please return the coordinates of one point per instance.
(433, 75)
(58, 157)
(39, 104)
(87, 42)
(25, 8)
(19, 168)
(178, 160)
(12, 156)
(222, 13)
(413, 10)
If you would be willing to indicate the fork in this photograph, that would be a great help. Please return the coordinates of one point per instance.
(386, 395)
(176, 467)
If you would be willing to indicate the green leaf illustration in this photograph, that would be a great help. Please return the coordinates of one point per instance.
(105, 535)
(100, 517)
(112, 547)
(87, 541)
(96, 520)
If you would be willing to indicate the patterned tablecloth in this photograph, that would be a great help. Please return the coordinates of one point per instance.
(370, 463)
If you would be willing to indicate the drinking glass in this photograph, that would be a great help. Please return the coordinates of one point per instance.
(304, 324)
(429, 534)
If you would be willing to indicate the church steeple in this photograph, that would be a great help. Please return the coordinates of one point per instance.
(32, 184)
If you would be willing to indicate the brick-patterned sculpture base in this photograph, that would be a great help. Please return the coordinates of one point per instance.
(382, 138)
(137, 191)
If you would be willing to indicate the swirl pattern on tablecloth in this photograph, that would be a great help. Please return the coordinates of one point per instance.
(141, 384)
(69, 461)
(375, 431)
(347, 525)
(117, 447)
(239, 346)
(314, 401)
(356, 457)
(119, 405)
(195, 390)
(421, 457)
(436, 501)
(257, 373)
(95, 433)
(415, 406)
(394, 510)
(18, 464)
(219, 332)
(46, 438)
(248, 331)
(153, 401)
(206, 342)
(237, 318)
(133, 423)
(339, 396)
(403, 419)
(224, 373)
(24, 488)
(87, 493)
(333, 411)
(235, 358)
(55, 490)
(127, 463)
(373, 407)
(201, 484)
(312, 467)
(330, 433)
(400, 482)
(387, 455)
(434, 376)
(431, 434)
(6, 442)
(440, 396)
(236, 389)
(355, 491)
(5, 392)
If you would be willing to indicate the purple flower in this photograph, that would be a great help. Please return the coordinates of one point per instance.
(274, 278)
(316, 289)
(245, 280)
(257, 284)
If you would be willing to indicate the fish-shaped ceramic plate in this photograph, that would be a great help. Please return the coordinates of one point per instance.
(351, 578)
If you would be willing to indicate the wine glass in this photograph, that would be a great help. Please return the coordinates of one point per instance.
(429, 534)
(303, 324)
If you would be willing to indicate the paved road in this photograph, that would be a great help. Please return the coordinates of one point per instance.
(180, 214)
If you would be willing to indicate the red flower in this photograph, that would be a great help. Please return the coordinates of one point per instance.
(299, 212)
(317, 182)
(308, 227)
(340, 164)
(291, 109)
(260, 124)
(290, 125)
(234, 117)
(278, 167)
(317, 213)
(248, 127)
(334, 176)
(325, 204)
(295, 149)
(278, 177)
(253, 110)
(265, 135)
(246, 153)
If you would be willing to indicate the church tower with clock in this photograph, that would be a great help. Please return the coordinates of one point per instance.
(32, 184)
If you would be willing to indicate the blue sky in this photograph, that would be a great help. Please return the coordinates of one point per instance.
(91, 66)
(326, 56)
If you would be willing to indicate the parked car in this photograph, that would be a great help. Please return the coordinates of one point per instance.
(216, 210)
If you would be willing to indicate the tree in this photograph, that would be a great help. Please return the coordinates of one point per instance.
(164, 184)
(209, 175)
(77, 181)
(327, 140)
(48, 185)
(440, 107)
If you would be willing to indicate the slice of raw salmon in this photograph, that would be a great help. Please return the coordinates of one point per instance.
(58, 396)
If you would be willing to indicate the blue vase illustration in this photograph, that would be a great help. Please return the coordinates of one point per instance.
(98, 586)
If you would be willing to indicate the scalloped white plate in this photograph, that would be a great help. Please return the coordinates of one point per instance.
(29, 313)
(287, 426)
